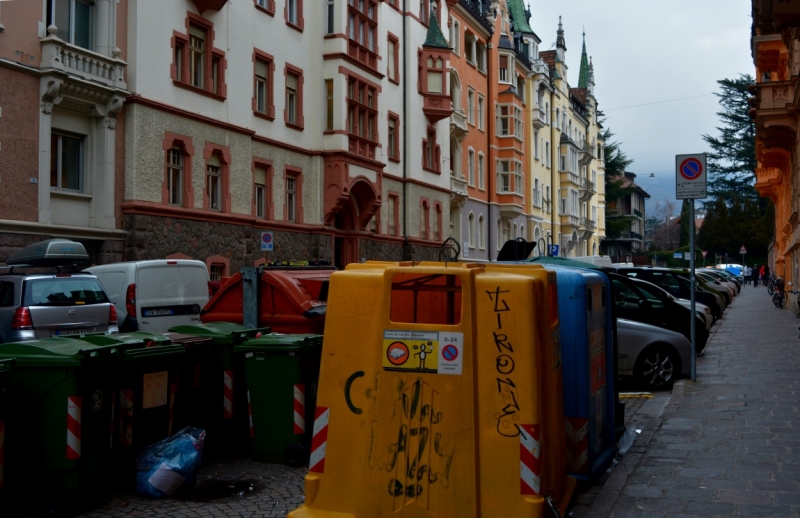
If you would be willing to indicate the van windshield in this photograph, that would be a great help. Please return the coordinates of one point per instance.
(63, 291)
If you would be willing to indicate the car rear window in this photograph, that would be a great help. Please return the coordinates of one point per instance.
(6, 294)
(63, 291)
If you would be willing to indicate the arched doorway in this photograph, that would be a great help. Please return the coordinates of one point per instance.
(351, 220)
(345, 243)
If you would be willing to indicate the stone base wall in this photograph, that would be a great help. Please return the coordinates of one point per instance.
(380, 250)
(99, 251)
(155, 237)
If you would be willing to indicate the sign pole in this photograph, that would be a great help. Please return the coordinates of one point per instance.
(691, 288)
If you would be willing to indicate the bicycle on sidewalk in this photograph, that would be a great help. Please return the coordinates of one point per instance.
(770, 284)
(780, 295)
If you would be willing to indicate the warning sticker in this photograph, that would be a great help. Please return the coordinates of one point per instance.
(154, 393)
(417, 351)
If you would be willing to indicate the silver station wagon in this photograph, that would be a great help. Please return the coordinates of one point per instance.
(40, 298)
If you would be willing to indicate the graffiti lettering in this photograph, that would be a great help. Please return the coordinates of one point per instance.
(504, 364)
(347, 387)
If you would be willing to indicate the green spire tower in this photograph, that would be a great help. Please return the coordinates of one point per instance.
(435, 38)
(583, 79)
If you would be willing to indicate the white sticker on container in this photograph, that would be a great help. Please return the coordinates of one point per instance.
(248, 355)
(451, 353)
(154, 393)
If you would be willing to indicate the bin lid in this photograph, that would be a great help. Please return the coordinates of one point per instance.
(135, 338)
(280, 342)
(223, 333)
(56, 352)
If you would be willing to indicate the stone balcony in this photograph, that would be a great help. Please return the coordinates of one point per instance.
(587, 189)
(539, 119)
(77, 61)
(585, 154)
(775, 96)
(570, 221)
(569, 177)
(458, 124)
(458, 190)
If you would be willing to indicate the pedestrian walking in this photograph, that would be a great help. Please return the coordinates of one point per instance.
(755, 275)
(747, 273)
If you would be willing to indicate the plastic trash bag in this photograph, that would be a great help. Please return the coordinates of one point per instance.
(169, 466)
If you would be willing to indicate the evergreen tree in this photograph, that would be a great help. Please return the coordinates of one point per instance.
(732, 161)
(685, 222)
(616, 163)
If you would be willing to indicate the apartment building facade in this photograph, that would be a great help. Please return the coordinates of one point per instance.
(631, 207)
(62, 93)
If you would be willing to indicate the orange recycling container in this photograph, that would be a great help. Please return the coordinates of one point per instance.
(439, 395)
(290, 300)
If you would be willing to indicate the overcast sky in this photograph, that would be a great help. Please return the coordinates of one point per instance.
(646, 52)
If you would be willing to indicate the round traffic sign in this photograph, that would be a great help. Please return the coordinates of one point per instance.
(691, 169)
(267, 238)
(450, 352)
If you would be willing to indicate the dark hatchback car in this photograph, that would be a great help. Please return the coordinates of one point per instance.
(673, 282)
(643, 302)
(39, 299)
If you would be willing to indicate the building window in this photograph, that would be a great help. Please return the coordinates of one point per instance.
(74, 19)
(504, 68)
(455, 37)
(480, 112)
(393, 138)
(471, 167)
(436, 226)
(293, 111)
(216, 272)
(362, 30)
(434, 76)
(362, 117)
(214, 183)
(291, 198)
(504, 176)
(175, 176)
(424, 220)
(469, 47)
(294, 13)
(518, 180)
(482, 232)
(330, 27)
(266, 5)
(536, 144)
(391, 223)
(262, 173)
(521, 87)
(66, 162)
(431, 152)
(329, 104)
(197, 65)
(471, 106)
(392, 49)
(480, 55)
(472, 231)
(481, 172)
(263, 80)
(547, 154)
(509, 121)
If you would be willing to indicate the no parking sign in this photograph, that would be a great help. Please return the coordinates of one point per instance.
(690, 177)
(267, 242)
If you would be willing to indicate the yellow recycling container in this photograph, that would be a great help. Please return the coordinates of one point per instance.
(438, 395)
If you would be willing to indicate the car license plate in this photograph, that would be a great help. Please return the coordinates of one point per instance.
(158, 312)
(63, 332)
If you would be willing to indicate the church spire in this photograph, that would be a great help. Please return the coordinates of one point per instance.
(583, 79)
(560, 43)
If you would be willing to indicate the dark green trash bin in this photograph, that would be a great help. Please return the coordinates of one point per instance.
(282, 374)
(59, 421)
(211, 384)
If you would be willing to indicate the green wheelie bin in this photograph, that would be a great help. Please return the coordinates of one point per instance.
(211, 384)
(282, 374)
(59, 420)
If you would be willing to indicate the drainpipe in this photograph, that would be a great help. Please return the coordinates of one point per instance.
(490, 112)
(553, 165)
(405, 136)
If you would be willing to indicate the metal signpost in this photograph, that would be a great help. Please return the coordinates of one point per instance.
(691, 184)
(743, 251)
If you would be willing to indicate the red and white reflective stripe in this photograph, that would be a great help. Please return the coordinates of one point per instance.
(577, 431)
(2, 452)
(319, 441)
(299, 409)
(173, 389)
(530, 461)
(227, 401)
(74, 404)
(250, 415)
(126, 417)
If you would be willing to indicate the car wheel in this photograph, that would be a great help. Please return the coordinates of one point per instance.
(657, 367)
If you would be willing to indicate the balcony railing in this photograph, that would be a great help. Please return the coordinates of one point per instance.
(636, 235)
(363, 55)
(573, 221)
(60, 55)
(588, 223)
(539, 119)
(458, 185)
(571, 178)
(638, 213)
(458, 124)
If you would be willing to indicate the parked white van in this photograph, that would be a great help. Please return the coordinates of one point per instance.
(156, 295)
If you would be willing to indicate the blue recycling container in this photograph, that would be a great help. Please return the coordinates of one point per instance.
(584, 307)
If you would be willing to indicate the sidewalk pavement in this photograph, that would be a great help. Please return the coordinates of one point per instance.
(728, 445)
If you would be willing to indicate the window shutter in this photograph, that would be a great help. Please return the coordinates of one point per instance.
(197, 32)
(434, 82)
(261, 68)
(260, 176)
(390, 52)
(503, 61)
(291, 81)
(213, 160)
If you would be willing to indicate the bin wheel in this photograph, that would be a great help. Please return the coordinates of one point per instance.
(295, 454)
